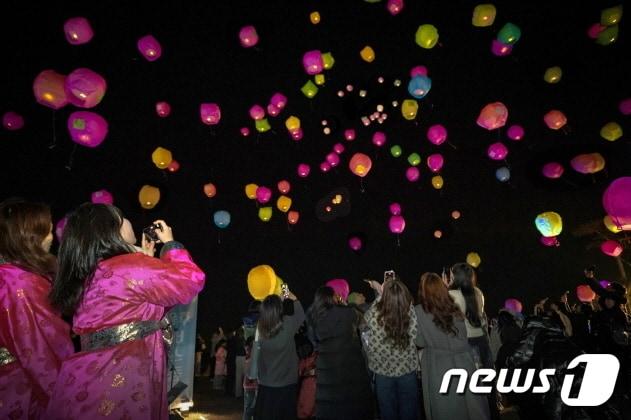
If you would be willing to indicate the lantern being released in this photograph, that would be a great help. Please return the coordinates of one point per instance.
(78, 31)
(85, 88)
(149, 47)
(49, 89)
(263, 281)
(549, 224)
(87, 128)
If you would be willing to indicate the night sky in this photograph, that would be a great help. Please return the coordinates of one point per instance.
(202, 61)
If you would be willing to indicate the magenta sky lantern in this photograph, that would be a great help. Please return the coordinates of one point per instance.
(149, 47)
(49, 89)
(87, 128)
(78, 31)
(85, 88)
(611, 248)
(552, 170)
(257, 112)
(12, 121)
(210, 113)
(102, 197)
(412, 174)
(437, 134)
(617, 202)
(248, 36)
(499, 49)
(625, 106)
(163, 109)
(497, 151)
(312, 62)
(278, 100)
(515, 132)
(303, 170)
(355, 243)
(435, 162)
(513, 305)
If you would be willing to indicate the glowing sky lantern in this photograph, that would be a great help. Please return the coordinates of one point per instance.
(292, 217)
(588, 163)
(396, 224)
(555, 119)
(497, 151)
(340, 287)
(248, 36)
(78, 31)
(509, 34)
(611, 131)
(12, 121)
(263, 281)
(611, 248)
(409, 109)
(149, 196)
(426, 36)
(278, 100)
(360, 164)
(87, 128)
(314, 17)
(312, 62)
(367, 54)
(210, 190)
(257, 112)
(513, 305)
(250, 191)
(473, 259)
(210, 113)
(610, 225)
(85, 88)
(515, 132)
(163, 109)
(395, 6)
(263, 194)
(303, 170)
(222, 219)
(174, 166)
(102, 197)
(552, 170)
(49, 89)
(355, 243)
(284, 186)
(412, 174)
(435, 162)
(584, 293)
(161, 157)
(437, 134)
(553, 74)
(283, 203)
(500, 49)
(617, 202)
(265, 214)
(483, 15)
(492, 116)
(549, 224)
(149, 47)
(419, 86)
(309, 89)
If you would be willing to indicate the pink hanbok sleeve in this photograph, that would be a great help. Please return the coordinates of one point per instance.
(173, 279)
(32, 330)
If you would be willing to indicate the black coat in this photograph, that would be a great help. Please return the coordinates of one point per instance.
(343, 389)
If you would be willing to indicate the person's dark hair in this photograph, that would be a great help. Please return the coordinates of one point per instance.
(435, 299)
(393, 312)
(465, 281)
(23, 228)
(271, 316)
(323, 300)
(249, 341)
(92, 234)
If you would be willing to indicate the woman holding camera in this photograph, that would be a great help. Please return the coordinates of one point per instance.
(33, 337)
(117, 298)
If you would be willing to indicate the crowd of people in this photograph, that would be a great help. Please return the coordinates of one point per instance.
(342, 358)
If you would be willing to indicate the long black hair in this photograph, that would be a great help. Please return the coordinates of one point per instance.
(271, 316)
(92, 234)
(464, 280)
(323, 300)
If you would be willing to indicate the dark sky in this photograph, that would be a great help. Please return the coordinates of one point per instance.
(202, 61)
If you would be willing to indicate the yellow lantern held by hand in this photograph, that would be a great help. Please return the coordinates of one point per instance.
(263, 281)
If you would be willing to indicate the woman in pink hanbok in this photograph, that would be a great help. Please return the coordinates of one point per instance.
(118, 298)
(33, 337)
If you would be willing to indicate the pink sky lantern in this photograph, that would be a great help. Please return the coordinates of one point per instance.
(278, 100)
(435, 162)
(585, 294)
(515, 132)
(245, 131)
(210, 113)
(338, 148)
(513, 305)
(611, 248)
(248, 36)
(273, 110)
(604, 284)
(418, 71)
(257, 112)
(303, 170)
(284, 186)
(174, 166)
(355, 243)
(500, 49)
(87, 128)
(625, 106)
(396, 224)
(395, 209)
(555, 119)
(149, 47)
(333, 158)
(360, 164)
(312, 62)
(163, 109)
(49, 89)
(552, 170)
(297, 134)
(340, 287)
(594, 30)
(85, 88)
(437, 134)
(325, 166)
(78, 30)
(102, 197)
(263, 194)
(379, 138)
(12, 121)
(59, 227)
(412, 174)
(349, 134)
(549, 241)
(497, 151)
(588, 163)
(617, 202)
(395, 6)
(493, 115)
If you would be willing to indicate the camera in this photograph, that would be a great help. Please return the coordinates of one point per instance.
(284, 290)
(150, 232)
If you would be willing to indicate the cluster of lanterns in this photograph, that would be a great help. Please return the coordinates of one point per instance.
(263, 196)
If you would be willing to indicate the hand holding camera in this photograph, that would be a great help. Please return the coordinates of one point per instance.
(158, 232)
